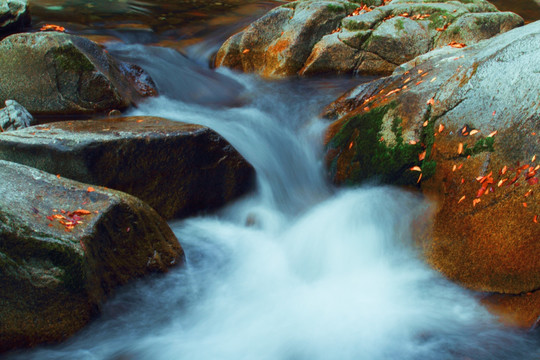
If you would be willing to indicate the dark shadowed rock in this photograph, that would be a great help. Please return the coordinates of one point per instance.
(468, 121)
(64, 248)
(177, 168)
(310, 37)
(52, 73)
(14, 116)
(14, 15)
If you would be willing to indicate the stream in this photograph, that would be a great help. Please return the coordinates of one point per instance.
(295, 270)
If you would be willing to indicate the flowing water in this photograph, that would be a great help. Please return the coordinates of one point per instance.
(297, 269)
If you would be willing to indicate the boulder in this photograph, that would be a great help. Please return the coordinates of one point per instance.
(14, 15)
(463, 126)
(64, 247)
(179, 169)
(311, 37)
(14, 116)
(53, 73)
(521, 311)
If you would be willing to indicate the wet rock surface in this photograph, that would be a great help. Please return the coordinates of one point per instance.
(314, 37)
(449, 123)
(14, 15)
(179, 169)
(53, 73)
(65, 247)
(14, 116)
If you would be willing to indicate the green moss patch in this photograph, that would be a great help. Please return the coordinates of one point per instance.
(372, 158)
(69, 58)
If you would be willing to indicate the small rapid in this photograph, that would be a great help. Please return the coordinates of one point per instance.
(297, 269)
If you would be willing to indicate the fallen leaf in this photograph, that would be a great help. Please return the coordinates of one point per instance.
(454, 168)
(528, 193)
(460, 148)
(501, 182)
(419, 178)
(58, 176)
(412, 142)
(474, 132)
(462, 198)
(533, 158)
(431, 101)
(50, 27)
(415, 168)
(504, 169)
(90, 189)
(426, 123)
(476, 201)
(422, 156)
(456, 45)
(493, 133)
(418, 83)
(81, 212)
(432, 80)
(245, 51)
(535, 219)
(524, 204)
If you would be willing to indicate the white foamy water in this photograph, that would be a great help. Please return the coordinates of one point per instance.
(296, 270)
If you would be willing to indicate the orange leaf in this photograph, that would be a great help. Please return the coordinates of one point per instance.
(412, 142)
(454, 168)
(461, 199)
(535, 219)
(351, 145)
(422, 156)
(456, 45)
(441, 128)
(460, 148)
(480, 192)
(504, 169)
(431, 101)
(426, 123)
(493, 133)
(58, 176)
(81, 212)
(415, 168)
(90, 189)
(419, 178)
(524, 204)
(418, 83)
(533, 158)
(474, 132)
(528, 193)
(501, 182)
(475, 202)
(245, 51)
(49, 27)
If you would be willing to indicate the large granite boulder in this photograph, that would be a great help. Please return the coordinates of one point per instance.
(463, 125)
(64, 246)
(14, 15)
(52, 73)
(177, 168)
(310, 37)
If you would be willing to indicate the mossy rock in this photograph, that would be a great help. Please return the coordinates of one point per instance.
(65, 247)
(294, 39)
(52, 73)
(477, 148)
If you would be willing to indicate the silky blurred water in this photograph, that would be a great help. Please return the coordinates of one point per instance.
(296, 270)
